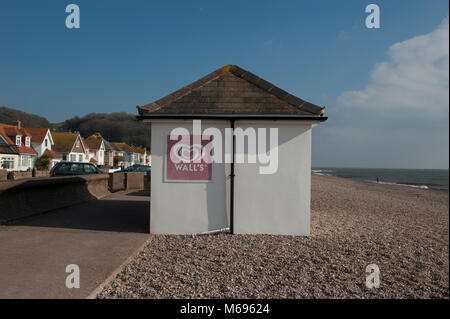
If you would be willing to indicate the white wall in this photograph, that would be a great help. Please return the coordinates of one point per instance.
(54, 161)
(263, 204)
(85, 159)
(40, 147)
(185, 207)
(98, 155)
(278, 203)
(15, 158)
(29, 160)
(101, 156)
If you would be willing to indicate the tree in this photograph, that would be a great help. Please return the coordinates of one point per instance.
(43, 162)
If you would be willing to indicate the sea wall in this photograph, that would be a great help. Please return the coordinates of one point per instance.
(26, 197)
(116, 182)
(134, 180)
(126, 181)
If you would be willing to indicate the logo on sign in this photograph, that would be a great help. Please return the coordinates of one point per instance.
(188, 158)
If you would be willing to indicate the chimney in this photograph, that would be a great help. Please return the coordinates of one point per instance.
(19, 124)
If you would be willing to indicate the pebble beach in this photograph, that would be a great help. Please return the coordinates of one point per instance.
(403, 230)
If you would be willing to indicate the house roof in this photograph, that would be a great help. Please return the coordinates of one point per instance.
(52, 153)
(9, 133)
(5, 146)
(140, 150)
(37, 134)
(94, 142)
(108, 146)
(122, 147)
(230, 91)
(93, 160)
(64, 141)
(7, 149)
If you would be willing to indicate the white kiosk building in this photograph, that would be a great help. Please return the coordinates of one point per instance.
(261, 194)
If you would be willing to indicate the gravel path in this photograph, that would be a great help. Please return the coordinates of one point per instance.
(405, 231)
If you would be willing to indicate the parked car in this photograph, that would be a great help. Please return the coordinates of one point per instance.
(74, 168)
(138, 168)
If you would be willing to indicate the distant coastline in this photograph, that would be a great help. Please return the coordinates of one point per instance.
(416, 178)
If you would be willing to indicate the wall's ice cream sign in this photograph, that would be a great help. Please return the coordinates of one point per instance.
(207, 146)
(188, 158)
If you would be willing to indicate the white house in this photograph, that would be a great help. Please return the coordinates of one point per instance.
(70, 147)
(20, 139)
(142, 155)
(96, 148)
(264, 191)
(124, 154)
(9, 158)
(42, 142)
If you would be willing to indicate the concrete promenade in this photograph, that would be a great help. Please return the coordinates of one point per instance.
(98, 236)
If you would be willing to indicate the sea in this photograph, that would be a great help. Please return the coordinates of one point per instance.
(418, 178)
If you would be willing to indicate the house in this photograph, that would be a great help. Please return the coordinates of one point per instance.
(143, 155)
(70, 147)
(20, 139)
(147, 157)
(138, 157)
(9, 158)
(96, 148)
(42, 141)
(109, 154)
(118, 155)
(124, 155)
(249, 192)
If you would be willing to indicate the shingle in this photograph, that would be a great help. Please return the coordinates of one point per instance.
(231, 90)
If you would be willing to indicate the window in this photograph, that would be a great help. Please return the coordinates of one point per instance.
(27, 141)
(73, 158)
(18, 140)
(25, 161)
(80, 158)
(90, 169)
(7, 163)
(76, 168)
(63, 168)
(77, 144)
(46, 143)
(64, 157)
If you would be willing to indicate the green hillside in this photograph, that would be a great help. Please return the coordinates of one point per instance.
(114, 127)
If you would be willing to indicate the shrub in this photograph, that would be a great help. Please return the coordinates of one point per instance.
(43, 162)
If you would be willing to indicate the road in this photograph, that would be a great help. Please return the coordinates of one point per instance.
(98, 236)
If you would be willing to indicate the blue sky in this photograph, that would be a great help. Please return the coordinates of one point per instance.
(133, 52)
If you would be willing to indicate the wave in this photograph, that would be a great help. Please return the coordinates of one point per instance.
(322, 172)
(421, 179)
(400, 184)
